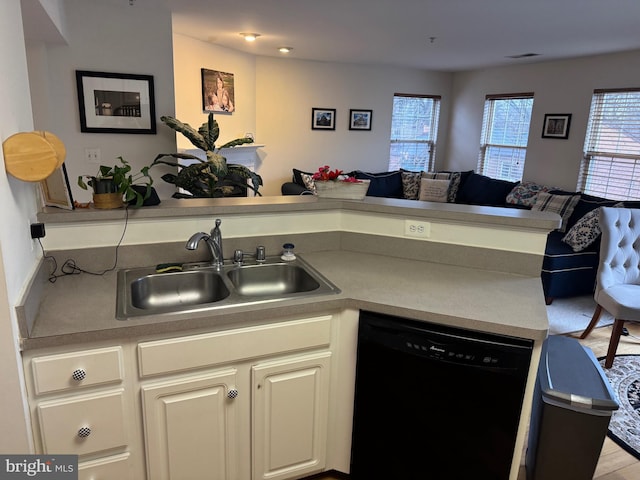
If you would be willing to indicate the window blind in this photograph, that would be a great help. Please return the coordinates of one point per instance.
(611, 159)
(414, 129)
(505, 134)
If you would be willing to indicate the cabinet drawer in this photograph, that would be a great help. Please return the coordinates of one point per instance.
(83, 423)
(196, 351)
(74, 370)
(107, 468)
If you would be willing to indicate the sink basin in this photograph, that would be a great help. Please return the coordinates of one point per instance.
(168, 290)
(268, 280)
(200, 287)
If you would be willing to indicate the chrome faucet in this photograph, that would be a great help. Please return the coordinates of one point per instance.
(213, 241)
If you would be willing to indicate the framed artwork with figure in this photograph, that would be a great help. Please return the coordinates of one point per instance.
(218, 91)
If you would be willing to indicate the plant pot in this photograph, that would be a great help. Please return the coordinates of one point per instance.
(153, 198)
(107, 200)
(103, 185)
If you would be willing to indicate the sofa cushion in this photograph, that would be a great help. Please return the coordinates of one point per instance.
(482, 190)
(586, 204)
(524, 193)
(309, 182)
(586, 230)
(297, 176)
(383, 184)
(563, 205)
(457, 180)
(410, 184)
(434, 190)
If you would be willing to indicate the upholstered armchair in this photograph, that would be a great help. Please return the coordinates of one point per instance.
(618, 278)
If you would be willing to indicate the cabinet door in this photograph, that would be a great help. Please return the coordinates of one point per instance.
(190, 427)
(289, 417)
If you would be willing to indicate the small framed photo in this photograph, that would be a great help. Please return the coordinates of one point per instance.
(360, 119)
(323, 118)
(56, 191)
(116, 102)
(556, 125)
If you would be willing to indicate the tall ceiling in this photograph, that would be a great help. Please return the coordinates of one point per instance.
(444, 35)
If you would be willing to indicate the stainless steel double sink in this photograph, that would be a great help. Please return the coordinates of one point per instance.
(142, 291)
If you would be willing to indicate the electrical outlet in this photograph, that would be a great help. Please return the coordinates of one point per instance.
(92, 155)
(414, 228)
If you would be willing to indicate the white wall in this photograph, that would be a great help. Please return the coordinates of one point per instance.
(18, 253)
(287, 90)
(190, 56)
(105, 37)
(559, 87)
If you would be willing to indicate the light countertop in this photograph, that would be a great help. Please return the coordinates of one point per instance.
(81, 308)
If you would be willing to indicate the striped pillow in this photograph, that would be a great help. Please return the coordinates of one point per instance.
(563, 205)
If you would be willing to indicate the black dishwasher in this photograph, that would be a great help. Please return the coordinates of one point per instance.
(433, 401)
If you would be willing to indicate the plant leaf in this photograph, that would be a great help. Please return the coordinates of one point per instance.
(187, 130)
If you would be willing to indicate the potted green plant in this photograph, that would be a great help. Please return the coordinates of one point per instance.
(113, 184)
(212, 177)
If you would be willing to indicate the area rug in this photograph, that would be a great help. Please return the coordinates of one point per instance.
(624, 377)
(568, 315)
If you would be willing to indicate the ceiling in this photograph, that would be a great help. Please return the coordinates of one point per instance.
(443, 35)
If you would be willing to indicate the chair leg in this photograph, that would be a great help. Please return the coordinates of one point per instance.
(593, 323)
(618, 325)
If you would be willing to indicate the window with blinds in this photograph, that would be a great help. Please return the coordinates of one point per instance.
(505, 133)
(414, 128)
(611, 159)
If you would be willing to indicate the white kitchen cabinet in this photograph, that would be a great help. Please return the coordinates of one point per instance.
(244, 403)
(210, 400)
(80, 406)
(289, 416)
(191, 427)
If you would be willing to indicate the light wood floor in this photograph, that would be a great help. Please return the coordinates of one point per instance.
(614, 463)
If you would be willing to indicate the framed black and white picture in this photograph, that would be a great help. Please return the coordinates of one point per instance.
(323, 118)
(360, 119)
(218, 91)
(556, 125)
(116, 102)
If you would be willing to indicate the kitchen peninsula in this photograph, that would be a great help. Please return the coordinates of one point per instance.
(475, 268)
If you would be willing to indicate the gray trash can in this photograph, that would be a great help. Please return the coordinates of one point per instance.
(572, 407)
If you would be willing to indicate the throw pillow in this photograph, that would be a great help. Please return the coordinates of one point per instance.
(411, 184)
(454, 182)
(384, 184)
(454, 185)
(297, 176)
(586, 230)
(433, 190)
(525, 193)
(563, 205)
(309, 182)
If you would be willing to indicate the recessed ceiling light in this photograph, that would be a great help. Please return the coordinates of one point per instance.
(250, 37)
(285, 49)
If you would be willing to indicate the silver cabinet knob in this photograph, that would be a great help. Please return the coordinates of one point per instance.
(84, 432)
(79, 374)
(232, 393)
